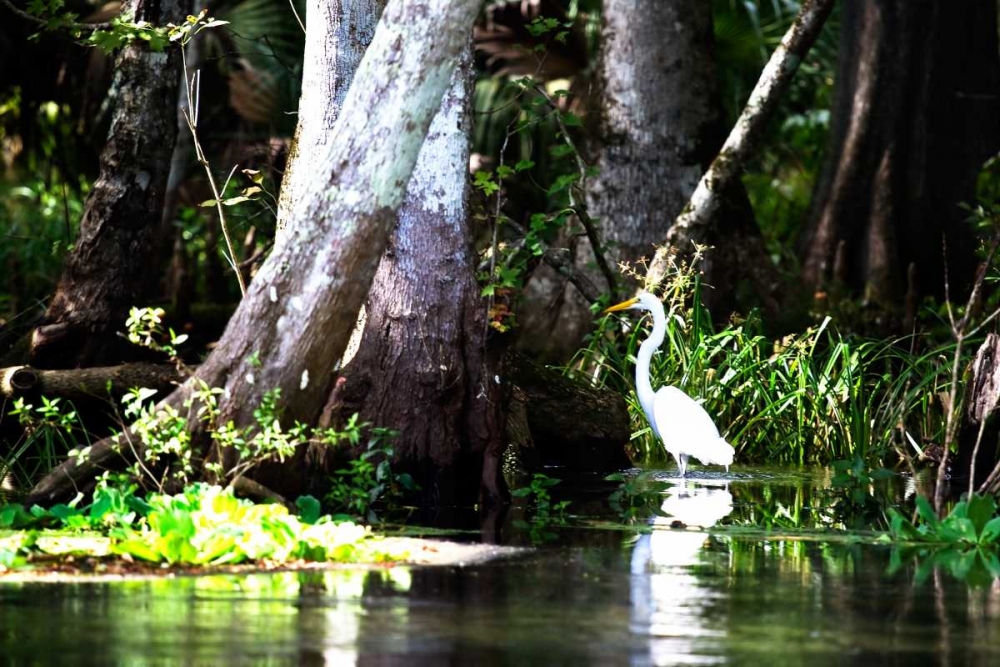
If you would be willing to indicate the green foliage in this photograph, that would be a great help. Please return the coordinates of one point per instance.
(207, 525)
(125, 30)
(973, 522)
(203, 525)
(49, 430)
(39, 217)
(145, 328)
(853, 485)
(163, 431)
(964, 543)
(368, 479)
(547, 174)
(545, 512)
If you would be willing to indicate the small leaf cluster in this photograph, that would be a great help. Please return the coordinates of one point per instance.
(368, 478)
(256, 192)
(971, 523)
(545, 512)
(124, 30)
(145, 328)
(542, 26)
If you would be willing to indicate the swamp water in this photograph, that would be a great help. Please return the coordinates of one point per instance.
(593, 595)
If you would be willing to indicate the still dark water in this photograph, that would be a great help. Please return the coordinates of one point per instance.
(592, 596)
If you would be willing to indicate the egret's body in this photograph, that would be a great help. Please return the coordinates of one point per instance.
(683, 426)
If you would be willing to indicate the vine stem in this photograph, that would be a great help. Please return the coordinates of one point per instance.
(191, 117)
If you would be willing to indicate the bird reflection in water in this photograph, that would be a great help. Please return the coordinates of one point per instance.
(670, 602)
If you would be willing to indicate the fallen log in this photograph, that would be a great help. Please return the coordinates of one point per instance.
(18, 381)
(572, 423)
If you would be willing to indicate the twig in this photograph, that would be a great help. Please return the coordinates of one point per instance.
(31, 18)
(191, 116)
(577, 205)
(291, 3)
(746, 136)
(556, 258)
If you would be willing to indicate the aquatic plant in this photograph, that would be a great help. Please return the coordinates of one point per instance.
(544, 512)
(965, 542)
(973, 522)
(203, 525)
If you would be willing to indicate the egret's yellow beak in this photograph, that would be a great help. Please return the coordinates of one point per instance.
(621, 306)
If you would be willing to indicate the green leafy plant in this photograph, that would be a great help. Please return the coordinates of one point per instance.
(973, 522)
(145, 328)
(368, 479)
(203, 525)
(49, 430)
(965, 542)
(544, 512)
(209, 525)
(853, 486)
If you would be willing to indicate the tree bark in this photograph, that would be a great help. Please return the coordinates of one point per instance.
(978, 433)
(293, 325)
(109, 266)
(659, 126)
(339, 32)
(915, 115)
(422, 367)
(704, 216)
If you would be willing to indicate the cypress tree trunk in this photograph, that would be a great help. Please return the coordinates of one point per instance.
(421, 367)
(916, 113)
(339, 32)
(293, 325)
(107, 270)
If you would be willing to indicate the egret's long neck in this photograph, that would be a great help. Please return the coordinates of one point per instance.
(643, 385)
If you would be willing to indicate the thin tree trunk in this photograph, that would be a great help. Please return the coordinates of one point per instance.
(294, 323)
(109, 267)
(339, 32)
(916, 114)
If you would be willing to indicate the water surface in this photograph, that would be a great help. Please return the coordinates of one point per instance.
(592, 596)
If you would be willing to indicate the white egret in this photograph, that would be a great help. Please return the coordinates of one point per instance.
(681, 424)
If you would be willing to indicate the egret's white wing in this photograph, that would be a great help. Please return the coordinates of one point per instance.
(686, 428)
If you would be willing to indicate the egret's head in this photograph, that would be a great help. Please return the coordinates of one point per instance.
(642, 301)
